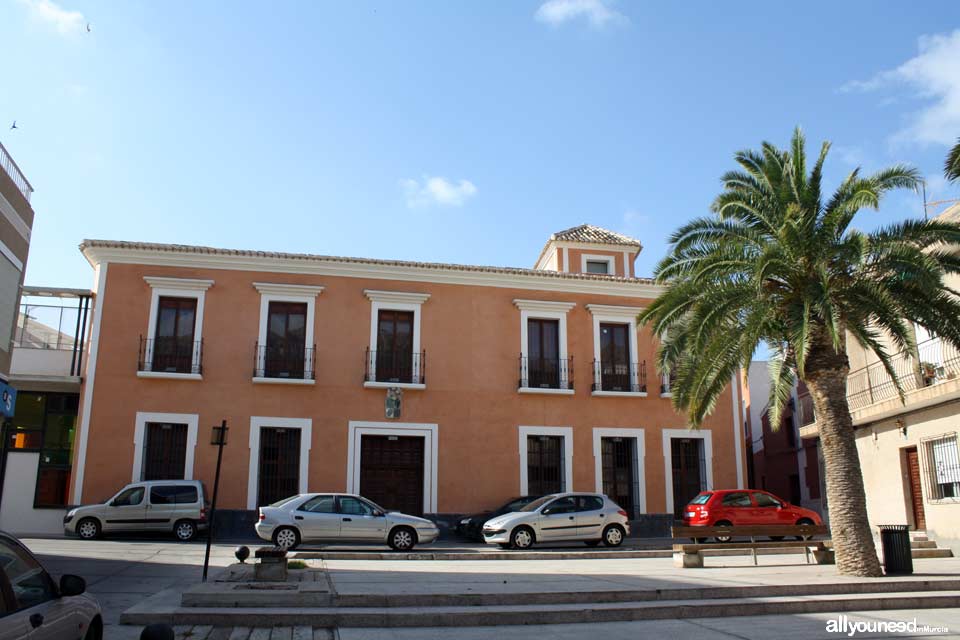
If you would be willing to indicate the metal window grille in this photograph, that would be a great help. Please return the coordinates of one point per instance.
(941, 466)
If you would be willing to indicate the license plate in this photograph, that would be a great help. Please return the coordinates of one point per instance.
(691, 514)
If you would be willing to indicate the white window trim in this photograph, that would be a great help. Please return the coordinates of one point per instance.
(356, 429)
(278, 292)
(591, 257)
(620, 315)
(670, 434)
(174, 288)
(640, 451)
(395, 301)
(192, 420)
(544, 309)
(305, 425)
(566, 433)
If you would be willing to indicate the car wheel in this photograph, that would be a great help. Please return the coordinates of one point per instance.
(591, 543)
(613, 535)
(806, 521)
(185, 530)
(95, 630)
(88, 528)
(521, 538)
(286, 538)
(723, 523)
(402, 539)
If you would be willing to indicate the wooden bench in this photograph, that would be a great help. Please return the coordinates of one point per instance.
(691, 555)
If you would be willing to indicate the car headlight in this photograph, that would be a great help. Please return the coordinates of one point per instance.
(71, 513)
(465, 521)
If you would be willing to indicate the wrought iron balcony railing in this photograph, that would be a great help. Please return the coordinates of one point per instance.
(546, 373)
(624, 377)
(170, 355)
(402, 367)
(936, 361)
(290, 360)
(666, 382)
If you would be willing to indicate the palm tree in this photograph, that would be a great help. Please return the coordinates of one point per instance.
(951, 168)
(778, 265)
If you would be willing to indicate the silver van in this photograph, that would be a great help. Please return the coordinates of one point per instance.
(176, 506)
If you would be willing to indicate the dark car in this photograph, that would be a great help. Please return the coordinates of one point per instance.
(471, 527)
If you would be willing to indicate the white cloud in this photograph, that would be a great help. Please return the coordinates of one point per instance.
(438, 191)
(934, 76)
(597, 12)
(61, 19)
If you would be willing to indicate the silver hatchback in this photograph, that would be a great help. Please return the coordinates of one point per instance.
(170, 506)
(560, 517)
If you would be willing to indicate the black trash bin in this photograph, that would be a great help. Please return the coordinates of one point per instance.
(897, 557)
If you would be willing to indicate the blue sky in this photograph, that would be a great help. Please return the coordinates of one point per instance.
(447, 131)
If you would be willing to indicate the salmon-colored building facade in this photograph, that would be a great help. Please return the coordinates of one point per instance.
(429, 388)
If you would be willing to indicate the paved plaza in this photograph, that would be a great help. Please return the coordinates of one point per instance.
(122, 573)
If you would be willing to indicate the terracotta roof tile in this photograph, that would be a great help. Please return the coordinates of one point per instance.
(590, 233)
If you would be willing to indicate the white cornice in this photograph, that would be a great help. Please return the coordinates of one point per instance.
(613, 310)
(544, 305)
(281, 289)
(439, 274)
(187, 284)
(396, 296)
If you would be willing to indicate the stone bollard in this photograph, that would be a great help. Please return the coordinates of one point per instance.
(272, 565)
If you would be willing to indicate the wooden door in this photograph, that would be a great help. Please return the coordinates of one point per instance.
(617, 458)
(279, 475)
(391, 472)
(688, 471)
(916, 493)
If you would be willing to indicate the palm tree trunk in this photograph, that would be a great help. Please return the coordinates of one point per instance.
(826, 377)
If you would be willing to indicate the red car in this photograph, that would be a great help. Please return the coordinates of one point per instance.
(744, 507)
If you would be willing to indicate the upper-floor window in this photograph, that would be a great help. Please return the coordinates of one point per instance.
(616, 369)
(544, 363)
(285, 348)
(596, 266)
(285, 352)
(173, 342)
(395, 346)
(395, 356)
(174, 345)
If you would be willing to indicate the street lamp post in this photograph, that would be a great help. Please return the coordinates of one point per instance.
(219, 439)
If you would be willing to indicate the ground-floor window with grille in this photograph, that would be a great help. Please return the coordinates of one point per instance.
(942, 467)
(545, 472)
(165, 451)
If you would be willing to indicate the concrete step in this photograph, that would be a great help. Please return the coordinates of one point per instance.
(145, 613)
(919, 535)
(931, 553)
(220, 595)
(923, 544)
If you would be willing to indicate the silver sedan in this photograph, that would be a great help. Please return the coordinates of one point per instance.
(560, 517)
(340, 517)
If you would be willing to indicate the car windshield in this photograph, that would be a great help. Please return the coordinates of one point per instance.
(701, 499)
(516, 504)
(539, 502)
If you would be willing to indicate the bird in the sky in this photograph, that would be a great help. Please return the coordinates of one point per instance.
(14, 125)
(88, 28)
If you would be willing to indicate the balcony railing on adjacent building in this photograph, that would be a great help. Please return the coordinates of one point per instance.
(546, 373)
(935, 361)
(400, 367)
(290, 361)
(12, 170)
(622, 377)
(170, 355)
